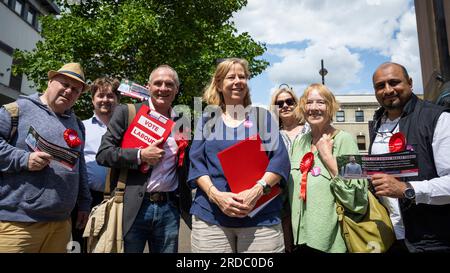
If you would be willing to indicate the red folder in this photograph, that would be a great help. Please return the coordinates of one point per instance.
(243, 165)
(147, 127)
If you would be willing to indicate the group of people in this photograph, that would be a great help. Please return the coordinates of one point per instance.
(43, 205)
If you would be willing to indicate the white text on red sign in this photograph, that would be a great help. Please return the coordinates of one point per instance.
(155, 128)
(143, 136)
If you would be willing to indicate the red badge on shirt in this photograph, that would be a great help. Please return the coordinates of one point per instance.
(71, 138)
(305, 167)
(397, 142)
(182, 143)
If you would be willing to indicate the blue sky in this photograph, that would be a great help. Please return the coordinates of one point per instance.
(352, 36)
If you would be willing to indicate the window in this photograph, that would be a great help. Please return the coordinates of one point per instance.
(31, 14)
(26, 10)
(18, 7)
(361, 140)
(38, 24)
(359, 116)
(340, 116)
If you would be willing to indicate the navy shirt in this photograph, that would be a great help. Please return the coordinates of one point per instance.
(204, 161)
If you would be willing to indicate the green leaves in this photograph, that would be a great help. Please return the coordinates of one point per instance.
(128, 38)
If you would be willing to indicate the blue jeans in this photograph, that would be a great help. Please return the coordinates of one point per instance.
(157, 224)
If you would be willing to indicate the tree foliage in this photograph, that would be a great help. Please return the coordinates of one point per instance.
(128, 38)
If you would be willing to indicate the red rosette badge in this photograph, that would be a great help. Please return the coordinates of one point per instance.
(397, 143)
(305, 166)
(182, 143)
(71, 138)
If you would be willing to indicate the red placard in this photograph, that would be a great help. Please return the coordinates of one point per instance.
(147, 127)
(243, 165)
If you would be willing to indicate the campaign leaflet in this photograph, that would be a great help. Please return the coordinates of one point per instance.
(66, 157)
(400, 164)
(134, 90)
(147, 127)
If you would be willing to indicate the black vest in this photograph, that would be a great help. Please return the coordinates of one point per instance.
(427, 227)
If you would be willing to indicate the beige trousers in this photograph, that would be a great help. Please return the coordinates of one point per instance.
(45, 237)
(207, 238)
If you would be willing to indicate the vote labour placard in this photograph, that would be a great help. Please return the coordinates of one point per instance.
(147, 127)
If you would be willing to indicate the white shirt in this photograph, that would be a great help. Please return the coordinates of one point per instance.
(164, 174)
(95, 129)
(381, 146)
(435, 191)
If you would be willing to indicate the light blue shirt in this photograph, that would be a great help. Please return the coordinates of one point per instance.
(95, 129)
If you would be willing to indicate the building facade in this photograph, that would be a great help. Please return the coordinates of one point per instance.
(20, 29)
(433, 28)
(354, 114)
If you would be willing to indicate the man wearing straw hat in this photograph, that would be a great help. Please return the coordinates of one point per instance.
(37, 194)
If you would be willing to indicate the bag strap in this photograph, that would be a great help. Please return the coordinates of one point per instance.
(340, 210)
(336, 131)
(13, 110)
(121, 183)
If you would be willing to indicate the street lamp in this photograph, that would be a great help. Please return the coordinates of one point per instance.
(284, 84)
(323, 72)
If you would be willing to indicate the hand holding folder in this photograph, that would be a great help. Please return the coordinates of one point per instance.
(147, 127)
(243, 165)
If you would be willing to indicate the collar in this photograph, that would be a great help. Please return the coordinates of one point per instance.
(410, 105)
(96, 119)
(172, 112)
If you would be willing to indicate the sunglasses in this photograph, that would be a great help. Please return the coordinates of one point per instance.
(289, 102)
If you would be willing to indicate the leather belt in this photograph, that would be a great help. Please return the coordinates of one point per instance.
(158, 197)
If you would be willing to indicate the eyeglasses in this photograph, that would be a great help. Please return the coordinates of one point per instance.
(289, 102)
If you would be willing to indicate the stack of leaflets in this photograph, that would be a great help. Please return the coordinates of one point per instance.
(66, 157)
(134, 90)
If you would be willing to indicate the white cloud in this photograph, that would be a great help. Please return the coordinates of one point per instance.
(353, 23)
(405, 48)
(301, 67)
(334, 31)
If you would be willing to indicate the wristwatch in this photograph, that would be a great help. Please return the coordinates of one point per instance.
(266, 187)
(409, 192)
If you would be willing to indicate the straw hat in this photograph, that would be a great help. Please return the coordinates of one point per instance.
(71, 70)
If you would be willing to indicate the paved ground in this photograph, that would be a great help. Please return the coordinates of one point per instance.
(184, 242)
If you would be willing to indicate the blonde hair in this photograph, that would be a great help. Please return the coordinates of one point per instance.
(330, 100)
(297, 114)
(211, 95)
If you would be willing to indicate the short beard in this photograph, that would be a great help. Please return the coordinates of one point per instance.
(392, 107)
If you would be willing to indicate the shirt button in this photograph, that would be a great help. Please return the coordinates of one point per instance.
(141, 194)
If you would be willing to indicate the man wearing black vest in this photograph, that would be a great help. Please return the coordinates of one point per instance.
(419, 206)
